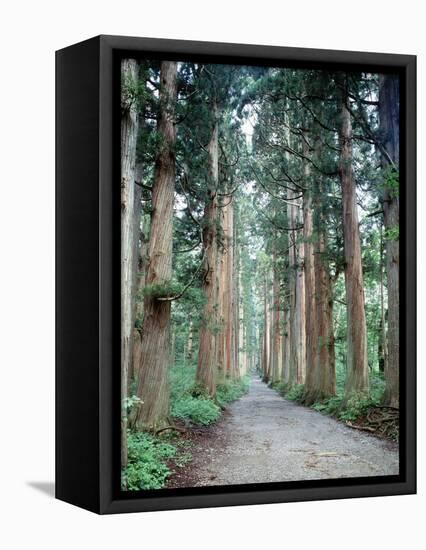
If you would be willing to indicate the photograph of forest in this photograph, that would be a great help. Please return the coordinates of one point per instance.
(259, 274)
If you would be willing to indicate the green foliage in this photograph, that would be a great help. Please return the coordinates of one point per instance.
(392, 233)
(133, 93)
(189, 401)
(330, 406)
(198, 410)
(337, 405)
(163, 290)
(182, 376)
(146, 468)
(280, 387)
(293, 393)
(344, 410)
(198, 390)
(231, 390)
(355, 406)
(296, 393)
(390, 182)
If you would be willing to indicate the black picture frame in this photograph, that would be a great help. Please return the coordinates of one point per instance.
(88, 277)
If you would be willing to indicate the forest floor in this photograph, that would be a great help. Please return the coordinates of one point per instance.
(265, 438)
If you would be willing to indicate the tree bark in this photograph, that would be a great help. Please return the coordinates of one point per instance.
(141, 267)
(242, 344)
(276, 358)
(129, 132)
(136, 270)
(222, 291)
(153, 387)
(286, 347)
(137, 349)
(226, 295)
(230, 295)
(292, 338)
(310, 301)
(389, 127)
(207, 354)
(357, 365)
(189, 342)
(382, 350)
(266, 331)
(235, 304)
(297, 303)
(325, 369)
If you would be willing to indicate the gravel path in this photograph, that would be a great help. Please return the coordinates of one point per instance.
(263, 437)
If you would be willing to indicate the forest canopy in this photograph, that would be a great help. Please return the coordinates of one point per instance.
(259, 232)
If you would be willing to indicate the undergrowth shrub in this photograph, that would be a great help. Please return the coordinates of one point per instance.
(146, 456)
(199, 410)
(330, 406)
(189, 402)
(355, 407)
(231, 390)
(346, 410)
(281, 388)
(296, 392)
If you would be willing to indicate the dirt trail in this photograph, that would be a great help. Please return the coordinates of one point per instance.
(263, 437)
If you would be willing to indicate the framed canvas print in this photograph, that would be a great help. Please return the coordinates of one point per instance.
(235, 274)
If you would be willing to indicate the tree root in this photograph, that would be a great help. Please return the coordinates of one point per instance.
(364, 428)
(181, 430)
(381, 420)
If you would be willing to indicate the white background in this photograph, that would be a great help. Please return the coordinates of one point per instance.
(30, 32)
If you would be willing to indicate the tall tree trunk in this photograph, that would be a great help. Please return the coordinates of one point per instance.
(207, 354)
(310, 305)
(276, 358)
(226, 337)
(137, 253)
(389, 127)
(172, 347)
(235, 285)
(141, 266)
(271, 328)
(190, 341)
(129, 132)
(222, 292)
(300, 309)
(297, 303)
(325, 368)
(292, 359)
(137, 349)
(286, 346)
(383, 345)
(241, 343)
(153, 387)
(357, 365)
(266, 331)
(140, 284)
